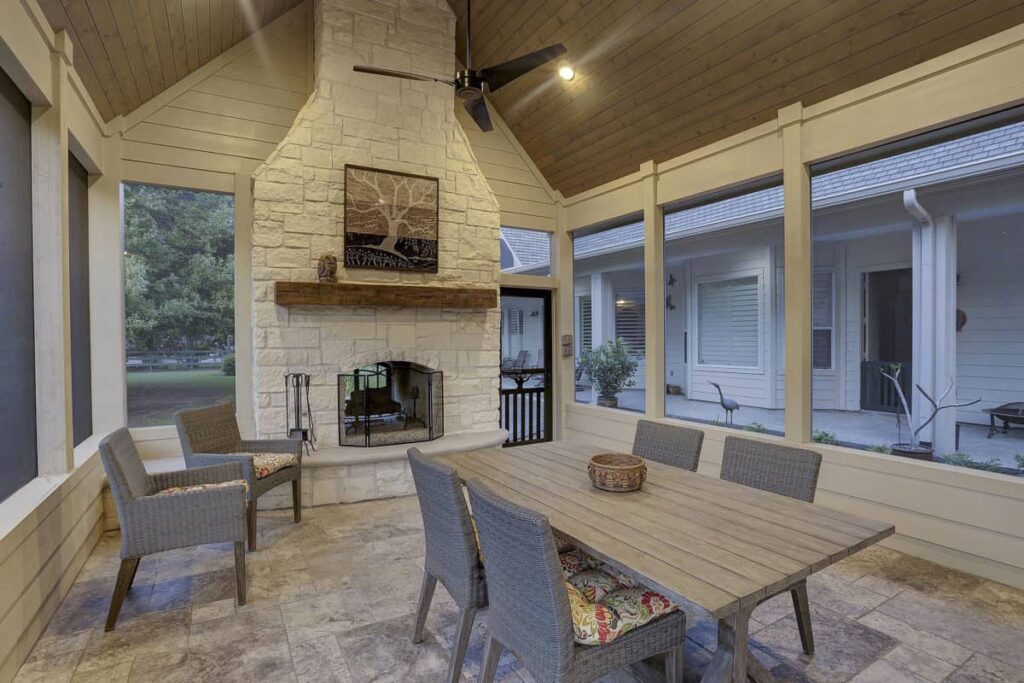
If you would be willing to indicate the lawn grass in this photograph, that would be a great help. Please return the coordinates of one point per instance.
(154, 397)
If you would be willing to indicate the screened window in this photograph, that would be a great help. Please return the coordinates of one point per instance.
(728, 322)
(179, 301)
(17, 343)
(526, 252)
(515, 321)
(823, 312)
(586, 333)
(78, 269)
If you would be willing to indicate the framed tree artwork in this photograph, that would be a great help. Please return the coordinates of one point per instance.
(391, 220)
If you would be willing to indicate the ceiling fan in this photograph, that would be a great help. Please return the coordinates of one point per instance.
(469, 83)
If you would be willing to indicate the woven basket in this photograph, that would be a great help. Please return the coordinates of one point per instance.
(617, 472)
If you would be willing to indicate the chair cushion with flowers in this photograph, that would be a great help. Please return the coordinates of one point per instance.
(575, 561)
(604, 607)
(265, 464)
(172, 490)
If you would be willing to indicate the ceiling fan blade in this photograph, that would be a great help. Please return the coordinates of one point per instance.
(506, 72)
(398, 74)
(478, 110)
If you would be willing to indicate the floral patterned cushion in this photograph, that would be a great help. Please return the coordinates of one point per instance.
(265, 464)
(603, 608)
(562, 544)
(594, 584)
(575, 561)
(203, 487)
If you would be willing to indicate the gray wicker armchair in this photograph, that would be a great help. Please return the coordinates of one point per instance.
(668, 444)
(171, 510)
(787, 471)
(529, 610)
(210, 436)
(451, 554)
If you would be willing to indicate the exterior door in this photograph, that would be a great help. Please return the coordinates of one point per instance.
(526, 365)
(887, 338)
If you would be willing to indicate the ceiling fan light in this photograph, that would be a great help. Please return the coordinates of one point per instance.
(566, 72)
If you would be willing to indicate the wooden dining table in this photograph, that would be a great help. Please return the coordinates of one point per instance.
(719, 545)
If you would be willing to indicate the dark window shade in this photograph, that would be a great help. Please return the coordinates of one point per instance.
(17, 342)
(78, 256)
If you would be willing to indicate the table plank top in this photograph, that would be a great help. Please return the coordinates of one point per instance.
(714, 543)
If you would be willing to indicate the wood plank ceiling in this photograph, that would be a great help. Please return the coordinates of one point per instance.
(128, 51)
(658, 78)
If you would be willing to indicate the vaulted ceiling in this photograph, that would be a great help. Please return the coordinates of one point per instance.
(128, 51)
(658, 78)
(655, 78)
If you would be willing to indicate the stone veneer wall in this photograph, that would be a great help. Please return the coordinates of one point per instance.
(298, 194)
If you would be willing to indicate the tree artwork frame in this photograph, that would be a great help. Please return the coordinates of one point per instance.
(391, 220)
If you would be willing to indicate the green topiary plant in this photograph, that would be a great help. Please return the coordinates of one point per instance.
(821, 436)
(229, 365)
(610, 367)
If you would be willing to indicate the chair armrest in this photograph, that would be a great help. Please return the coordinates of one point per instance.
(293, 446)
(208, 459)
(210, 474)
(163, 522)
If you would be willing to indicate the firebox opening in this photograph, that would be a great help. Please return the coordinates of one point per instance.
(391, 402)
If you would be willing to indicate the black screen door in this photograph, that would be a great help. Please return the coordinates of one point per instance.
(526, 365)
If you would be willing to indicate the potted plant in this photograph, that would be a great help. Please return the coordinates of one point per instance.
(610, 367)
(916, 448)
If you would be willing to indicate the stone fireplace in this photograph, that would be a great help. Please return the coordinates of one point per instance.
(391, 124)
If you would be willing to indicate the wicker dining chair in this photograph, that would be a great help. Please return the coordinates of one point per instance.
(668, 444)
(452, 556)
(787, 471)
(529, 609)
(210, 436)
(171, 510)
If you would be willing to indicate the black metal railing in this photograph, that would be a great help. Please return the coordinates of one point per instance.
(877, 392)
(526, 406)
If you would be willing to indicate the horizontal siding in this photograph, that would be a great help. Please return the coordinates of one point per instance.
(230, 121)
(522, 195)
(41, 557)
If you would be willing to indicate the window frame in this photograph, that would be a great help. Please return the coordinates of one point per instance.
(831, 369)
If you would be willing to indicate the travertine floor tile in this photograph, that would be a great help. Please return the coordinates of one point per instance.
(333, 598)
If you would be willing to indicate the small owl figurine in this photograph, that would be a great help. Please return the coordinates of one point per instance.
(327, 268)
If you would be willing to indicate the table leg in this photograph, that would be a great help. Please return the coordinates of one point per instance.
(733, 662)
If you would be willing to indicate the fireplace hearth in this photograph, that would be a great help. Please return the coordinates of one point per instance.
(388, 403)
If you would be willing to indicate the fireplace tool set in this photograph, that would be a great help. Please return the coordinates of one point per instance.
(297, 385)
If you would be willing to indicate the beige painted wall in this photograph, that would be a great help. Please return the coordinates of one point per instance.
(954, 516)
(525, 198)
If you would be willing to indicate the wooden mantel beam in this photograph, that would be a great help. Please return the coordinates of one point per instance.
(372, 294)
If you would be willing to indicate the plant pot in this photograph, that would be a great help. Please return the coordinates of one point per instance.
(909, 450)
(608, 401)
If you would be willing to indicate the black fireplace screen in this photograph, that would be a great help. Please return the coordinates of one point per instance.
(392, 402)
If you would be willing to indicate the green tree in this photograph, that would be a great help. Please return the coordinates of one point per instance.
(179, 268)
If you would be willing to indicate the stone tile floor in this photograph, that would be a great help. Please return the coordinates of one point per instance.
(332, 599)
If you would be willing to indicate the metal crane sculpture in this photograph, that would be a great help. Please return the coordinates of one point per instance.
(727, 403)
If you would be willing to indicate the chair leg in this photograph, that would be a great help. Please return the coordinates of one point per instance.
(489, 666)
(250, 519)
(674, 664)
(131, 580)
(124, 579)
(297, 500)
(803, 616)
(240, 573)
(426, 595)
(462, 633)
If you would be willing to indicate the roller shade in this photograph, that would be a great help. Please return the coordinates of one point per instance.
(728, 322)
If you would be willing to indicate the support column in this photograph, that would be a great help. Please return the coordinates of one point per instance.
(244, 381)
(564, 321)
(51, 271)
(934, 344)
(654, 293)
(106, 289)
(797, 219)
